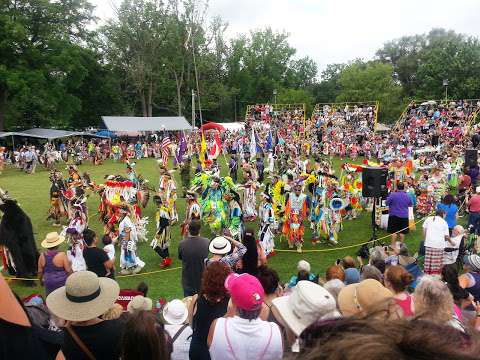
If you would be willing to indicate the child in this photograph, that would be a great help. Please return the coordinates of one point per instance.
(109, 248)
(161, 241)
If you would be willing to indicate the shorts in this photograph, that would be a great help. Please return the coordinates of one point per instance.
(397, 225)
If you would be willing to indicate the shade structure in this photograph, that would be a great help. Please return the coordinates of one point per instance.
(146, 124)
(20, 134)
(52, 134)
(106, 133)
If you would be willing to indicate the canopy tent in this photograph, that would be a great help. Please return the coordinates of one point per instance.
(106, 133)
(52, 134)
(135, 123)
(234, 126)
(20, 134)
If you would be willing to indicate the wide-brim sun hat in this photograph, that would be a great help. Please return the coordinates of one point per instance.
(52, 239)
(175, 312)
(139, 303)
(365, 297)
(307, 303)
(220, 246)
(84, 297)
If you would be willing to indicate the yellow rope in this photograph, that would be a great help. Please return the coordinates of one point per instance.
(121, 276)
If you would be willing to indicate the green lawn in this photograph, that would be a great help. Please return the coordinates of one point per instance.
(32, 193)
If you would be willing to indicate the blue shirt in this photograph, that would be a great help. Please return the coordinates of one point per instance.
(451, 214)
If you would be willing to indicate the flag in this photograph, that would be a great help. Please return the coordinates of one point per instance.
(203, 151)
(182, 147)
(269, 145)
(165, 149)
(216, 148)
(253, 146)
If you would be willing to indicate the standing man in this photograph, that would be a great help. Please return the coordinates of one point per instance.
(398, 203)
(436, 233)
(96, 259)
(192, 251)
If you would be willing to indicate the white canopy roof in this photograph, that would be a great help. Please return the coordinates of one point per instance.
(233, 126)
(137, 123)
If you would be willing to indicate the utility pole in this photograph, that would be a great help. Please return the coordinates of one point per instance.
(193, 110)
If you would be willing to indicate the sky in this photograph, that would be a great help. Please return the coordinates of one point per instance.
(336, 31)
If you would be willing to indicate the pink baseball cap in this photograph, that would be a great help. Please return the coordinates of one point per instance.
(245, 290)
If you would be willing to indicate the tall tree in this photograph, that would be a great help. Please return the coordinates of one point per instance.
(40, 46)
(371, 81)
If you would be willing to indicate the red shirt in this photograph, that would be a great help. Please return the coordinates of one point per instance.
(474, 203)
(464, 182)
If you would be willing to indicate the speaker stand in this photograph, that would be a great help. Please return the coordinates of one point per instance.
(374, 224)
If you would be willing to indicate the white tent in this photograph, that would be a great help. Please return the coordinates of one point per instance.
(233, 126)
(145, 124)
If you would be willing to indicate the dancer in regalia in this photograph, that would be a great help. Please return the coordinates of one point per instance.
(192, 211)
(295, 212)
(214, 207)
(249, 204)
(161, 241)
(129, 260)
(58, 207)
(167, 190)
(235, 220)
(268, 223)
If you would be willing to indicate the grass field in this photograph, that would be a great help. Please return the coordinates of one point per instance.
(32, 193)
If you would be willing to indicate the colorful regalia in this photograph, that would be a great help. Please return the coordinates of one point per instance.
(268, 223)
(235, 225)
(129, 260)
(74, 236)
(214, 207)
(161, 241)
(167, 191)
(295, 212)
(192, 211)
(249, 203)
(58, 204)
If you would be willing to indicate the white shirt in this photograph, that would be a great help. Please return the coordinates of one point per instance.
(181, 346)
(436, 230)
(110, 250)
(451, 257)
(248, 340)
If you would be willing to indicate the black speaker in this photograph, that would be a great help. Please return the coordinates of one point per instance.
(471, 157)
(374, 182)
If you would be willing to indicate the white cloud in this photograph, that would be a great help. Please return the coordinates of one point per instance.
(331, 31)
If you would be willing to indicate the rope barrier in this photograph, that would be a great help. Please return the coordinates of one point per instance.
(117, 277)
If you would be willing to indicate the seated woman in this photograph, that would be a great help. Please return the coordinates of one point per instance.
(53, 265)
(304, 273)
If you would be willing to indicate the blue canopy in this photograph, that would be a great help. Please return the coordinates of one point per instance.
(106, 133)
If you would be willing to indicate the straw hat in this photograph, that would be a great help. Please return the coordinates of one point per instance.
(85, 296)
(139, 303)
(220, 246)
(52, 239)
(175, 312)
(363, 298)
